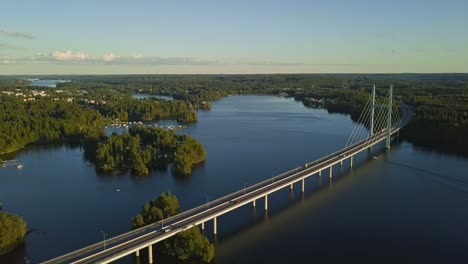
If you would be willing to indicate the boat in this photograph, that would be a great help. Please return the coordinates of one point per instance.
(19, 166)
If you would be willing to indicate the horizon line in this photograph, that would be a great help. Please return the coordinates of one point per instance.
(273, 73)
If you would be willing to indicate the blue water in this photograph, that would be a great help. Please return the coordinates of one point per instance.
(405, 205)
(46, 83)
(144, 96)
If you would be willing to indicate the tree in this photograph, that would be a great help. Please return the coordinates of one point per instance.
(190, 244)
(138, 167)
(166, 205)
(12, 231)
(188, 153)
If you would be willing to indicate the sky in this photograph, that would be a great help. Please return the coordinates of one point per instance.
(234, 36)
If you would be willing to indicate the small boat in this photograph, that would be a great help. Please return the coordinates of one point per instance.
(118, 189)
(19, 166)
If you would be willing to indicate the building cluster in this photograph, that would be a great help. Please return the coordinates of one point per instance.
(31, 95)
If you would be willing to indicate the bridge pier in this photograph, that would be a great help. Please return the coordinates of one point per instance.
(291, 186)
(137, 253)
(214, 226)
(331, 171)
(253, 203)
(341, 163)
(150, 254)
(303, 183)
(203, 226)
(266, 202)
(351, 161)
(320, 173)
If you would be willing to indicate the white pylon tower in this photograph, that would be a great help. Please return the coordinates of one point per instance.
(372, 112)
(389, 116)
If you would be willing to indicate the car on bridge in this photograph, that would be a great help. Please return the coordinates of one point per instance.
(236, 201)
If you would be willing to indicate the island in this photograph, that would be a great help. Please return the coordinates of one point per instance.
(190, 245)
(144, 148)
(12, 231)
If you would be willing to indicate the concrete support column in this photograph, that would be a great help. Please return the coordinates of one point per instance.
(303, 183)
(341, 163)
(351, 161)
(291, 186)
(203, 226)
(214, 226)
(331, 171)
(150, 254)
(320, 173)
(137, 253)
(266, 202)
(253, 203)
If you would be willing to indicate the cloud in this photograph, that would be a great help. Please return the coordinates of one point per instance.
(157, 61)
(109, 57)
(69, 56)
(16, 34)
(5, 46)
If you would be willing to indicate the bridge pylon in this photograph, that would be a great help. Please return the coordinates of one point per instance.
(389, 117)
(371, 130)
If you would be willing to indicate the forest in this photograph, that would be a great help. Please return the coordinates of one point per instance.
(440, 101)
(145, 148)
(44, 121)
(436, 97)
(75, 115)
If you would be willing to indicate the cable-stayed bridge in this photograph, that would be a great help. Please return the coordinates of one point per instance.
(379, 121)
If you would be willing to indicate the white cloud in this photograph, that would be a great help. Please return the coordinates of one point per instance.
(16, 34)
(139, 60)
(109, 57)
(70, 56)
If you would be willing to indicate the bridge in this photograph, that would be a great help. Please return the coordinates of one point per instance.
(377, 123)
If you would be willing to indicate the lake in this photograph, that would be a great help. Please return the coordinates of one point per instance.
(46, 83)
(145, 96)
(405, 204)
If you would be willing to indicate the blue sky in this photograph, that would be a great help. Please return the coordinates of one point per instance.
(85, 37)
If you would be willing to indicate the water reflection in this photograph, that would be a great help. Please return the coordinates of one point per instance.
(430, 136)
